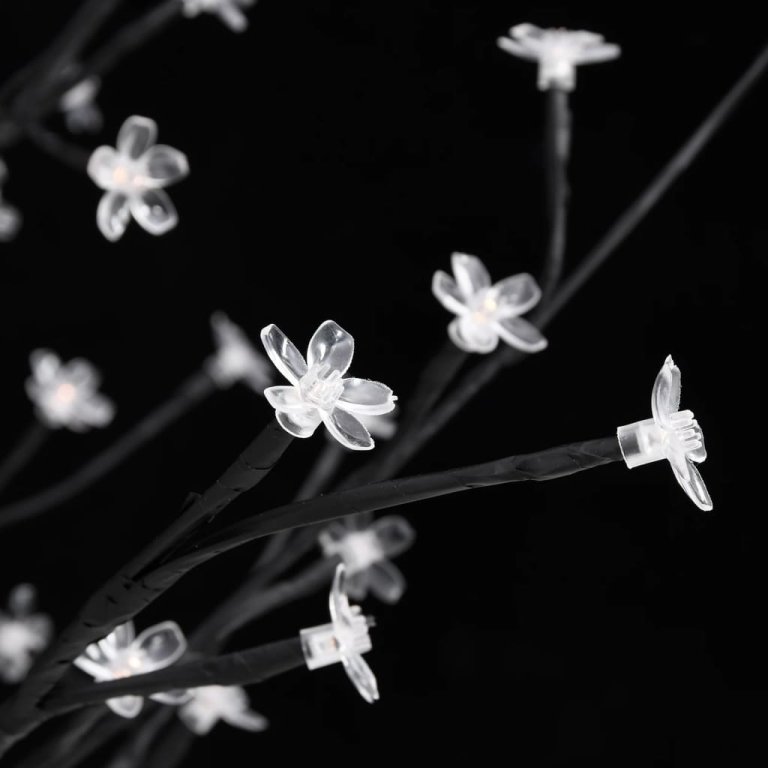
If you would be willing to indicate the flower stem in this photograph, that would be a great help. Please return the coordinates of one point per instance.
(24, 451)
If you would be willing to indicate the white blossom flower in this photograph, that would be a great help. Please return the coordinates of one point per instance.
(23, 634)
(318, 393)
(78, 105)
(485, 312)
(10, 218)
(65, 394)
(558, 51)
(122, 654)
(671, 434)
(344, 640)
(212, 703)
(235, 358)
(229, 11)
(133, 176)
(365, 552)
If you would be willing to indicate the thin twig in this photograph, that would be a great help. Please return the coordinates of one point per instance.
(23, 452)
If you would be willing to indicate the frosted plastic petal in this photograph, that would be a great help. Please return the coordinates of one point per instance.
(521, 334)
(515, 48)
(101, 166)
(161, 645)
(362, 676)
(466, 336)
(91, 667)
(285, 398)
(386, 581)
(362, 396)
(136, 136)
(691, 482)
(348, 430)
(304, 428)
(124, 634)
(599, 53)
(165, 165)
(81, 373)
(471, 275)
(357, 584)
(515, 295)
(199, 720)
(96, 411)
(126, 706)
(154, 211)
(665, 397)
(332, 345)
(447, 292)
(113, 215)
(172, 698)
(395, 534)
(283, 354)
(248, 720)
(45, 365)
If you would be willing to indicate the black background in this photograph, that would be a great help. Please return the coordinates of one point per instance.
(339, 153)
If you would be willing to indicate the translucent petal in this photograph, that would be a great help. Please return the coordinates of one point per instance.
(386, 581)
(283, 354)
(362, 676)
(395, 534)
(338, 603)
(691, 482)
(45, 365)
(299, 425)
(598, 53)
(232, 16)
(165, 165)
(82, 374)
(520, 334)
(93, 668)
(363, 396)
(247, 719)
(447, 292)
(96, 411)
(154, 211)
(21, 601)
(136, 136)
(285, 398)
(465, 336)
(348, 430)
(516, 48)
(515, 295)
(173, 698)
(161, 645)
(332, 345)
(331, 535)
(698, 454)
(665, 398)
(198, 718)
(124, 634)
(357, 584)
(101, 166)
(113, 215)
(126, 706)
(41, 626)
(470, 274)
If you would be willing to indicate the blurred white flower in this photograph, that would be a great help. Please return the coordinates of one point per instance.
(229, 11)
(65, 394)
(78, 105)
(122, 654)
(23, 634)
(212, 703)
(235, 358)
(133, 176)
(10, 218)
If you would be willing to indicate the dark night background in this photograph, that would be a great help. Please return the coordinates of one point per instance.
(339, 153)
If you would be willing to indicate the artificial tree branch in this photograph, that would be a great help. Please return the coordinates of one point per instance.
(31, 441)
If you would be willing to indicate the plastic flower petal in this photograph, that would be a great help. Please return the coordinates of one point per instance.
(236, 359)
(366, 551)
(485, 312)
(229, 11)
(10, 218)
(344, 640)
(212, 703)
(671, 434)
(78, 105)
(66, 394)
(122, 654)
(23, 634)
(318, 393)
(133, 176)
(558, 52)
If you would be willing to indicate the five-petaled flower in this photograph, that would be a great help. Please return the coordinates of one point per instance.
(485, 312)
(23, 634)
(65, 394)
(211, 703)
(235, 358)
(365, 551)
(122, 654)
(344, 640)
(318, 393)
(229, 11)
(558, 51)
(133, 176)
(671, 434)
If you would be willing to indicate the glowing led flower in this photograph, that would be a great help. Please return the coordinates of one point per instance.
(558, 52)
(229, 11)
(78, 105)
(671, 434)
(10, 218)
(344, 640)
(212, 703)
(365, 552)
(23, 634)
(318, 393)
(122, 654)
(133, 176)
(485, 312)
(235, 358)
(65, 394)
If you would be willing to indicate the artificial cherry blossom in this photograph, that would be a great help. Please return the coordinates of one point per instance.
(235, 358)
(229, 11)
(211, 703)
(23, 634)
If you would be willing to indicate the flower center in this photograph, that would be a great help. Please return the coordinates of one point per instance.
(321, 387)
(483, 308)
(126, 666)
(65, 394)
(127, 178)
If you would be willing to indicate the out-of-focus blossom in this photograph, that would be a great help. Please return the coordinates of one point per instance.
(236, 359)
(229, 11)
(10, 218)
(211, 703)
(23, 634)
(78, 105)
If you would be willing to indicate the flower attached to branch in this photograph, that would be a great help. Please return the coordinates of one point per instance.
(671, 434)
(211, 703)
(235, 358)
(366, 552)
(318, 393)
(66, 394)
(10, 218)
(78, 105)
(229, 11)
(486, 313)
(23, 634)
(344, 640)
(122, 654)
(558, 52)
(133, 176)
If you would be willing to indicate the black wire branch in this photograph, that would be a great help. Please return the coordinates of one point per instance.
(23, 452)
(242, 668)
